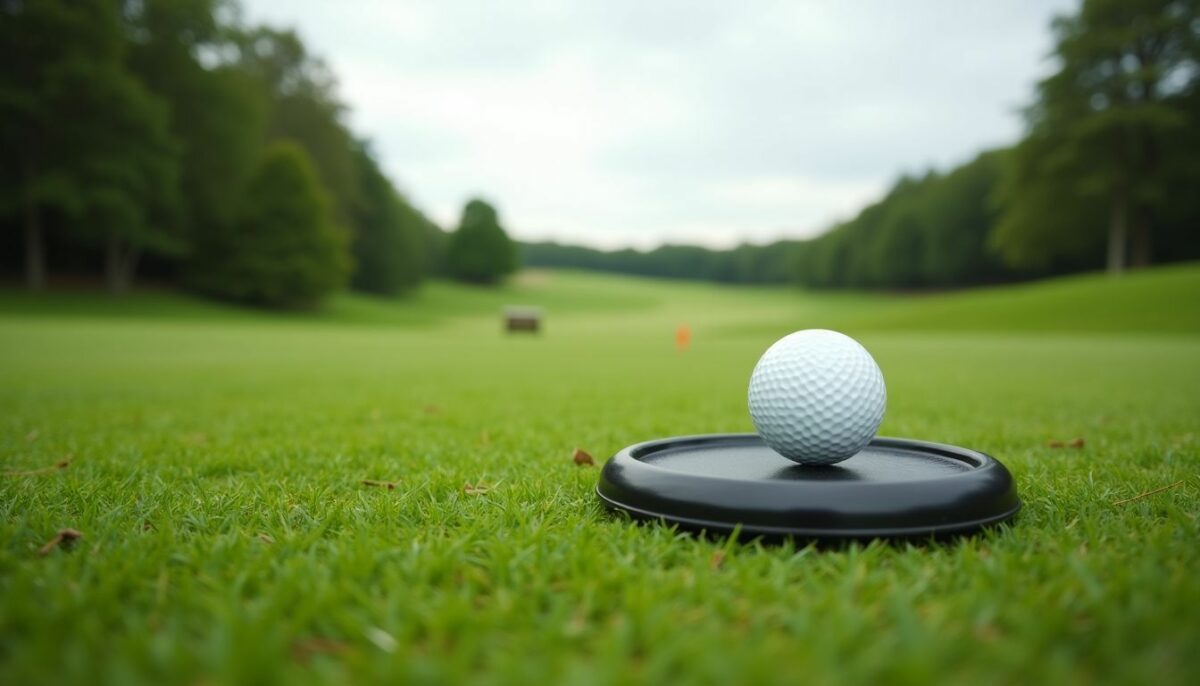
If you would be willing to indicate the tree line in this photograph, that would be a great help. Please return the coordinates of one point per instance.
(1106, 176)
(167, 138)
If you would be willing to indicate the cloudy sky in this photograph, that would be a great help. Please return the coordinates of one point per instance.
(637, 123)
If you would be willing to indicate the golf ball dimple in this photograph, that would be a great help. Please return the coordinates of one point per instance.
(817, 397)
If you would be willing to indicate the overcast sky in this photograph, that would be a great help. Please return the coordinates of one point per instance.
(637, 123)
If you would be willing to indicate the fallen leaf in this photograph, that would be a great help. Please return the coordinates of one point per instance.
(60, 465)
(304, 649)
(149, 526)
(390, 485)
(581, 458)
(1139, 496)
(717, 560)
(476, 489)
(266, 538)
(1073, 443)
(64, 538)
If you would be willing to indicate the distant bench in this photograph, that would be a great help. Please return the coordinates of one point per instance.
(522, 319)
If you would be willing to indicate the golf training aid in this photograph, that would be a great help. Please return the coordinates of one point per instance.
(815, 468)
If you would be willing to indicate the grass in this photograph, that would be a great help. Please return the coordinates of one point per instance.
(217, 461)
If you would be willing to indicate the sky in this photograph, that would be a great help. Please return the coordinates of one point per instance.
(635, 123)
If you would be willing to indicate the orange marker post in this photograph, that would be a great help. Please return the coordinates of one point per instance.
(683, 337)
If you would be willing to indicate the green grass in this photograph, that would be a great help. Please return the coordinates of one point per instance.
(217, 460)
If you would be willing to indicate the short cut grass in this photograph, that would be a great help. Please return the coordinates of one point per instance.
(219, 466)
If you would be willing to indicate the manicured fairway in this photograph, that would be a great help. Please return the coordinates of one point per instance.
(217, 461)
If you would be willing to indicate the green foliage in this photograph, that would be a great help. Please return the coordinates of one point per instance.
(303, 107)
(926, 232)
(436, 243)
(133, 127)
(110, 176)
(217, 113)
(389, 235)
(480, 251)
(772, 263)
(1104, 135)
(285, 251)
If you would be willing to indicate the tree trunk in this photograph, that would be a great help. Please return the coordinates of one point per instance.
(1142, 243)
(1118, 231)
(120, 263)
(35, 248)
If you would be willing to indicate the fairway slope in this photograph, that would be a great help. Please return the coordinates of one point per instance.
(1165, 299)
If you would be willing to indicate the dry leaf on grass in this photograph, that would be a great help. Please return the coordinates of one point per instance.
(1073, 443)
(305, 649)
(57, 466)
(63, 539)
(717, 560)
(390, 485)
(266, 538)
(476, 489)
(581, 458)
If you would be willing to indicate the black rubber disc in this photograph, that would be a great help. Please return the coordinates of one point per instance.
(893, 488)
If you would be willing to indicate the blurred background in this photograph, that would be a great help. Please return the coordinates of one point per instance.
(274, 153)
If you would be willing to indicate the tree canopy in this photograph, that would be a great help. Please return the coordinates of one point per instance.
(285, 250)
(389, 234)
(480, 251)
(1103, 132)
(135, 129)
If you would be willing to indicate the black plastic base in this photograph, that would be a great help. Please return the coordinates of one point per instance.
(892, 488)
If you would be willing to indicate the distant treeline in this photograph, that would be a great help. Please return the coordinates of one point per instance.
(167, 138)
(775, 263)
(939, 230)
(1108, 175)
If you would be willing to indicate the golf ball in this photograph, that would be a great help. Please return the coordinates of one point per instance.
(817, 397)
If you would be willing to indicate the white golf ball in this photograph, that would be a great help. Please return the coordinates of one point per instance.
(817, 397)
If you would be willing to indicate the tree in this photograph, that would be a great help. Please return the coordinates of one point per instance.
(217, 112)
(124, 167)
(285, 251)
(1100, 134)
(958, 216)
(303, 107)
(389, 240)
(480, 251)
(85, 143)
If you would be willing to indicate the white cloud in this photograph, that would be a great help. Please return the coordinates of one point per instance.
(631, 123)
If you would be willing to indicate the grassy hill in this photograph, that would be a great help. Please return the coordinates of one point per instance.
(216, 458)
(1161, 299)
